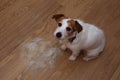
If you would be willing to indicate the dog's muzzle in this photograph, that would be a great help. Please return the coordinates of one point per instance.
(58, 34)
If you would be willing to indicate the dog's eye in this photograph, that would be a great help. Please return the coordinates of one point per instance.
(59, 24)
(68, 29)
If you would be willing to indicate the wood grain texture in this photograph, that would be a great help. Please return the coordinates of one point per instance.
(21, 19)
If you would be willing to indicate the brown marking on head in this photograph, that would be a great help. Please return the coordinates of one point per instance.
(75, 26)
(58, 17)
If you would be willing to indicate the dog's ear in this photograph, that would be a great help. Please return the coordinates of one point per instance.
(78, 26)
(58, 17)
(75, 26)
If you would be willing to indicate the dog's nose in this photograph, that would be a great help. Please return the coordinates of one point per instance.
(58, 35)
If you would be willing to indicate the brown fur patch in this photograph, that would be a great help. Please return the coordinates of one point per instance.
(75, 27)
(58, 17)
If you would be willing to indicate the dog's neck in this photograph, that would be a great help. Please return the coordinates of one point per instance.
(72, 38)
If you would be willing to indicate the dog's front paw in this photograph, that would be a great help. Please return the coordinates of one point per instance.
(63, 47)
(72, 58)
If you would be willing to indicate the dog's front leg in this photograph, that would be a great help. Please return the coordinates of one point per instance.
(74, 55)
(63, 47)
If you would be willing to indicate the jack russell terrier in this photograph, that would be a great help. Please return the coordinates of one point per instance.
(78, 35)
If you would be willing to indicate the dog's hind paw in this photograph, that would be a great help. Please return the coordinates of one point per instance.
(72, 58)
(86, 58)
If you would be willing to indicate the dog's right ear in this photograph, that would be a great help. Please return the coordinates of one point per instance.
(58, 17)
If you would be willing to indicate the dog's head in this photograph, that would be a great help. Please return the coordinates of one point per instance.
(65, 26)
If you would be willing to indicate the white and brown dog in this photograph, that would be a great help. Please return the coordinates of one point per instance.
(78, 35)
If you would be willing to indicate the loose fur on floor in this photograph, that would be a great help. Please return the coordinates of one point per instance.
(39, 53)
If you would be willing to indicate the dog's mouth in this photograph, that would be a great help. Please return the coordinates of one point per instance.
(60, 36)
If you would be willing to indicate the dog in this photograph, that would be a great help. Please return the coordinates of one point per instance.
(77, 35)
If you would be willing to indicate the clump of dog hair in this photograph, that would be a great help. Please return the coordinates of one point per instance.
(39, 53)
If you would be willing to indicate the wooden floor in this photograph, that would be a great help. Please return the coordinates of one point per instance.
(20, 19)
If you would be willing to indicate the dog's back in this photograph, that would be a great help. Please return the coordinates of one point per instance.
(94, 36)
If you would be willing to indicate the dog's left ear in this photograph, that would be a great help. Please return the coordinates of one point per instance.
(58, 17)
(78, 26)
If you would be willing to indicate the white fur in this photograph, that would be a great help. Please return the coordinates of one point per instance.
(90, 39)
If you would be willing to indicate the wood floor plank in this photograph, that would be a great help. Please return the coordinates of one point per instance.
(116, 75)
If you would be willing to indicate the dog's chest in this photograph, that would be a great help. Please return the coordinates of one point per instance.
(71, 44)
